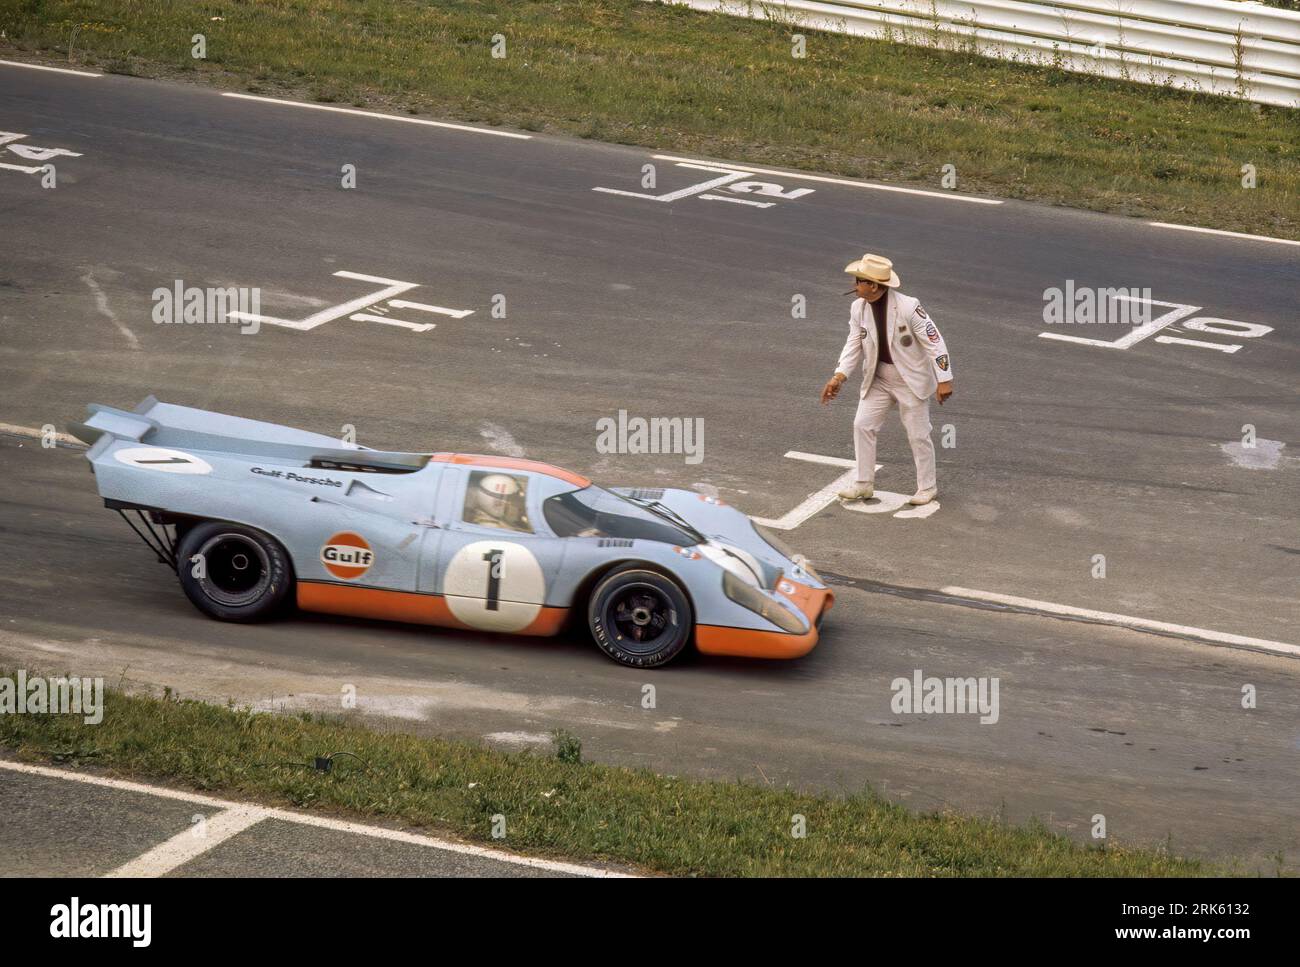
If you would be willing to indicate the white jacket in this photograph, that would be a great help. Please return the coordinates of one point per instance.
(915, 345)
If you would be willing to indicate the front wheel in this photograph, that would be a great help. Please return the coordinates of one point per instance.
(232, 572)
(640, 618)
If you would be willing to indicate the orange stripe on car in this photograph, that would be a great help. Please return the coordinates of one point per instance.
(387, 605)
(749, 643)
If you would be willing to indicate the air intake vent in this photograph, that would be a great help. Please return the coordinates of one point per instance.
(647, 493)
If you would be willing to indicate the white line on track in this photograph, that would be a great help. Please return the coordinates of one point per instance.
(1219, 231)
(43, 67)
(101, 303)
(190, 843)
(1127, 621)
(319, 822)
(739, 201)
(819, 458)
(26, 169)
(37, 434)
(815, 502)
(413, 326)
(382, 117)
(425, 307)
(826, 180)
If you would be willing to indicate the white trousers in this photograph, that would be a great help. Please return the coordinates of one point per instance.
(887, 389)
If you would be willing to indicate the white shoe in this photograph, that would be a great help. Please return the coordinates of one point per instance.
(923, 496)
(859, 491)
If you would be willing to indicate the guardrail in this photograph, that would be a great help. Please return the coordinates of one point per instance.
(1244, 50)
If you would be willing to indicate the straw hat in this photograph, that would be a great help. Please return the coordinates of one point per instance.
(875, 268)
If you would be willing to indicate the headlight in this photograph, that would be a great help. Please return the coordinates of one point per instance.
(756, 601)
(785, 550)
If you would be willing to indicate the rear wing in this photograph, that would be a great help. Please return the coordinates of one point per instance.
(168, 425)
(118, 424)
(159, 424)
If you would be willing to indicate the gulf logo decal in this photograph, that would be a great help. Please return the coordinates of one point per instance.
(347, 555)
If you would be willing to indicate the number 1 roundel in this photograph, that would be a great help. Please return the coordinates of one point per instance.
(494, 585)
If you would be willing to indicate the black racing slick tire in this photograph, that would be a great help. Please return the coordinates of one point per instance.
(232, 572)
(639, 617)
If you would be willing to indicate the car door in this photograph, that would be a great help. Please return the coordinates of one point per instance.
(366, 532)
(496, 560)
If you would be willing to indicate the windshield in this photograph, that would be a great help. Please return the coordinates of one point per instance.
(593, 512)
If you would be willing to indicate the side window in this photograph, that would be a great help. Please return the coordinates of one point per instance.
(494, 499)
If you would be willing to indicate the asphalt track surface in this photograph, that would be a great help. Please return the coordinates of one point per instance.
(683, 308)
(59, 823)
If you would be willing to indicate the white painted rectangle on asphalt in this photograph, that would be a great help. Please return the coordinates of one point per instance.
(738, 201)
(819, 458)
(1179, 341)
(413, 326)
(425, 307)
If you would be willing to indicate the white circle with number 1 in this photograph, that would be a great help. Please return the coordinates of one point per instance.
(494, 586)
(164, 460)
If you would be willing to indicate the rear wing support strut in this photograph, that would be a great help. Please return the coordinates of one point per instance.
(163, 547)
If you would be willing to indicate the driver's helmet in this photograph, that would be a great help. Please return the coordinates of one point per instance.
(500, 497)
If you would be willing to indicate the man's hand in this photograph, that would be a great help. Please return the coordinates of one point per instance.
(831, 389)
(943, 392)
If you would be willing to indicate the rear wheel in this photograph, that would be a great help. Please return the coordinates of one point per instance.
(232, 572)
(639, 617)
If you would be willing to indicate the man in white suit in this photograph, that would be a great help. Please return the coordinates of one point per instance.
(904, 361)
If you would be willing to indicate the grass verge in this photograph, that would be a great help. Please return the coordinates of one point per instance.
(671, 78)
(553, 805)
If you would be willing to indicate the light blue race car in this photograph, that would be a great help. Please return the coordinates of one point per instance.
(250, 514)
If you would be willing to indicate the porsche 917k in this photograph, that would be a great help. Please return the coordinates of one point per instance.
(252, 516)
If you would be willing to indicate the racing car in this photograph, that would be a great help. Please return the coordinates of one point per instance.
(254, 516)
